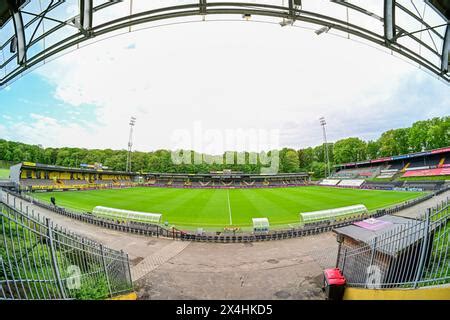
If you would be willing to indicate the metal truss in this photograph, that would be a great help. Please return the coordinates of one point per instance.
(29, 43)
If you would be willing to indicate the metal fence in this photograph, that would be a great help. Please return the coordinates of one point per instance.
(411, 255)
(41, 261)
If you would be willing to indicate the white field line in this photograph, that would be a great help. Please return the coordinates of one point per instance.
(229, 206)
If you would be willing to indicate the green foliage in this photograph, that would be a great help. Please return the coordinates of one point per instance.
(373, 149)
(92, 289)
(4, 173)
(289, 160)
(440, 257)
(318, 169)
(350, 150)
(393, 142)
(429, 134)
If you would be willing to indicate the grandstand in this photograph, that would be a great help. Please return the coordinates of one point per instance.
(357, 173)
(427, 170)
(226, 180)
(31, 176)
(419, 164)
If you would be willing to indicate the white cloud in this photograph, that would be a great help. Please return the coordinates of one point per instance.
(226, 75)
(50, 131)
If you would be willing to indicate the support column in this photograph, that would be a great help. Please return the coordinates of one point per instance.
(203, 7)
(86, 14)
(389, 20)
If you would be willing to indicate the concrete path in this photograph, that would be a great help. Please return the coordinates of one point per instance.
(157, 259)
(421, 208)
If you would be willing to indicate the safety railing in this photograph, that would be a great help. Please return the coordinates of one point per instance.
(41, 261)
(411, 255)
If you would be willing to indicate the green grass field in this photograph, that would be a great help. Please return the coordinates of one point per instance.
(4, 173)
(217, 208)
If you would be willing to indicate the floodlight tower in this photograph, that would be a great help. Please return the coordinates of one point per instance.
(130, 143)
(327, 160)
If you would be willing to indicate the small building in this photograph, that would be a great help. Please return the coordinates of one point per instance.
(385, 250)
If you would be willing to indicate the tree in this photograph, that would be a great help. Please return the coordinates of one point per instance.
(394, 142)
(290, 161)
(373, 149)
(350, 150)
(306, 157)
(318, 169)
(417, 136)
(438, 134)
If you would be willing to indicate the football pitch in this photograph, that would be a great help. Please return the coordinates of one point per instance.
(219, 208)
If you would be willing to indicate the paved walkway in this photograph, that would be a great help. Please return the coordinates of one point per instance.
(421, 208)
(167, 269)
(157, 259)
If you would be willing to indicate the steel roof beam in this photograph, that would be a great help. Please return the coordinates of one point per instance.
(446, 51)
(419, 19)
(19, 29)
(283, 12)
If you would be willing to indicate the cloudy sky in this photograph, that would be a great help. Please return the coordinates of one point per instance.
(203, 80)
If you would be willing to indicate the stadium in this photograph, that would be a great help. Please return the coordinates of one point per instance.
(82, 223)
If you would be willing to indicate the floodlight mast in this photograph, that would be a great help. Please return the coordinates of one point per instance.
(327, 160)
(130, 143)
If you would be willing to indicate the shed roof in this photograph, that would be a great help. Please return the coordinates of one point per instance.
(393, 233)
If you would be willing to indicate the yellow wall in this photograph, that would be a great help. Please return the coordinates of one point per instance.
(129, 296)
(435, 293)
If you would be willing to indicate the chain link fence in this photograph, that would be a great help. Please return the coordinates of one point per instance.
(41, 261)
